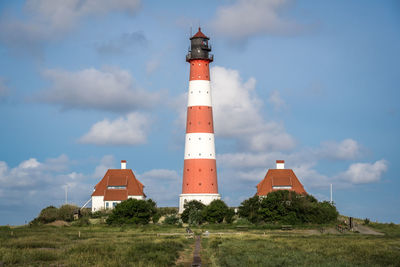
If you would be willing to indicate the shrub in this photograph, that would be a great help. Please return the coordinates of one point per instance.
(249, 209)
(132, 211)
(230, 214)
(287, 207)
(47, 215)
(171, 219)
(366, 221)
(216, 211)
(167, 210)
(66, 212)
(156, 217)
(83, 221)
(192, 213)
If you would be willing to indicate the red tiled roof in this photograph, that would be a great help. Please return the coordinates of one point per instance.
(279, 177)
(119, 177)
(199, 34)
(280, 161)
(117, 180)
(116, 194)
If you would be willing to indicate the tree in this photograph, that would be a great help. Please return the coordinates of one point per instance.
(249, 209)
(229, 215)
(66, 212)
(47, 215)
(287, 207)
(171, 219)
(133, 211)
(216, 211)
(192, 213)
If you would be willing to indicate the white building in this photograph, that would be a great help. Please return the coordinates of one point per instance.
(117, 185)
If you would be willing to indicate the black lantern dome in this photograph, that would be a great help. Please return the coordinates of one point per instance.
(199, 48)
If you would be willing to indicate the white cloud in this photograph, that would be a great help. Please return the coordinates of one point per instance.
(32, 185)
(51, 19)
(361, 173)
(237, 113)
(345, 150)
(129, 130)
(276, 101)
(124, 43)
(247, 18)
(107, 162)
(152, 65)
(110, 89)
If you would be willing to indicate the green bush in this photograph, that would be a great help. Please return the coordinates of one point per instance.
(249, 209)
(167, 210)
(47, 215)
(83, 221)
(287, 207)
(66, 212)
(171, 219)
(216, 211)
(229, 216)
(132, 211)
(193, 212)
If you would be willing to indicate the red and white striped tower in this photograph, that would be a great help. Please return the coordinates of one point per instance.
(200, 170)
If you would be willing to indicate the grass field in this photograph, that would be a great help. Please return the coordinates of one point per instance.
(167, 246)
(287, 250)
(96, 246)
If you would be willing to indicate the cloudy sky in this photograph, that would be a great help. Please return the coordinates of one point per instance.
(87, 83)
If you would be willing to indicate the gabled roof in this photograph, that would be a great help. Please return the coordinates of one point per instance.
(199, 34)
(122, 178)
(283, 178)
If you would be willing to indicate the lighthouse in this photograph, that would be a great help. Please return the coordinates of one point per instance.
(200, 169)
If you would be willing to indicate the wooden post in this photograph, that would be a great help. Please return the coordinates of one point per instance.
(79, 234)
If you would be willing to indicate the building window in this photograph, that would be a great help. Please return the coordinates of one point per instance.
(114, 204)
(107, 205)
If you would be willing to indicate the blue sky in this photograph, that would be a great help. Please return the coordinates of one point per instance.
(85, 84)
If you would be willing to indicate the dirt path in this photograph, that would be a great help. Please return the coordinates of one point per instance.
(365, 230)
(196, 254)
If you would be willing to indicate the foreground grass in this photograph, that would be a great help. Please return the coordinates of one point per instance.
(291, 250)
(155, 245)
(96, 246)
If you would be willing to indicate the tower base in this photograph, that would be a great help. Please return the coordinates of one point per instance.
(203, 198)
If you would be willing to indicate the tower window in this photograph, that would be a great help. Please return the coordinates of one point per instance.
(199, 170)
(200, 184)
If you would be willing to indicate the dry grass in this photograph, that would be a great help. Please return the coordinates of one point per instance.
(297, 250)
(96, 246)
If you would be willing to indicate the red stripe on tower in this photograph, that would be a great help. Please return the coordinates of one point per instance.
(200, 169)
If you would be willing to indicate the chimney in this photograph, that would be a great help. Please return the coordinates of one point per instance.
(123, 164)
(280, 164)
